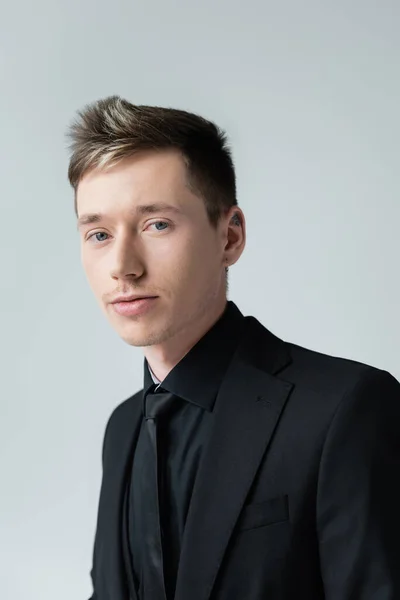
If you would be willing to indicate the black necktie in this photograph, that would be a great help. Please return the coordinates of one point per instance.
(158, 405)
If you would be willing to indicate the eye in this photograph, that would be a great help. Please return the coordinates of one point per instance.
(159, 223)
(97, 233)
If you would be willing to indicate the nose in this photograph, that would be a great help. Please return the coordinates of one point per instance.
(126, 260)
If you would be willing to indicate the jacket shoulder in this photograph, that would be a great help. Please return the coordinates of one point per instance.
(125, 409)
(122, 418)
(326, 373)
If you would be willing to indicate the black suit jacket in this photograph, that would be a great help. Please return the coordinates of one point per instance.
(298, 490)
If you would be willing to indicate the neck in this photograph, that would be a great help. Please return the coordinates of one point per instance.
(164, 357)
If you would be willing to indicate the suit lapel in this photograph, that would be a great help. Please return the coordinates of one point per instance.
(126, 553)
(247, 409)
(115, 563)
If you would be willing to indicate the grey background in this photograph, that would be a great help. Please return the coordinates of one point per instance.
(309, 93)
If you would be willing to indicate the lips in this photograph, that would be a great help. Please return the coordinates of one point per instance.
(138, 306)
(129, 298)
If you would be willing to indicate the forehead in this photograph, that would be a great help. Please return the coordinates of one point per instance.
(150, 178)
(145, 170)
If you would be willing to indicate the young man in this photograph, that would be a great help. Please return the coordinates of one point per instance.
(247, 468)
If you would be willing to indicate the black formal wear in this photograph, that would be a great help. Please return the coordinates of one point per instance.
(194, 383)
(282, 475)
(146, 516)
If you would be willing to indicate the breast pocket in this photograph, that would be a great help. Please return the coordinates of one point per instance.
(259, 514)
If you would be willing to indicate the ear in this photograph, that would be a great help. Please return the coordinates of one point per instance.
(235, 235)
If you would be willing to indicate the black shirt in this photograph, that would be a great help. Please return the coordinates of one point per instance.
(195, 381)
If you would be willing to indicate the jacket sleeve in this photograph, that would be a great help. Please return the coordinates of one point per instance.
(94, 595)
(358, 499)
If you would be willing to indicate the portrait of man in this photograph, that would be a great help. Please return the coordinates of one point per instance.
(247, 467)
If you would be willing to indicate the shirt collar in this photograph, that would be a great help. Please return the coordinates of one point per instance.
(198, 375)
(154, 378)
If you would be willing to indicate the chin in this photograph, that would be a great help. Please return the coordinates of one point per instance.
(141, 339)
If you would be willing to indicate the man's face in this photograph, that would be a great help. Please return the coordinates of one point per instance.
(172, 253)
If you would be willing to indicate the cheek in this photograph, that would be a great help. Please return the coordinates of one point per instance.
(93, 276)
(192, 269)
(185, 256)
(176, 256)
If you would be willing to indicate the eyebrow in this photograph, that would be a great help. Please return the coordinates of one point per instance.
(141, 209)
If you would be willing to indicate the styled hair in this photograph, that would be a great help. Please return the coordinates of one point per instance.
(112, 129)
